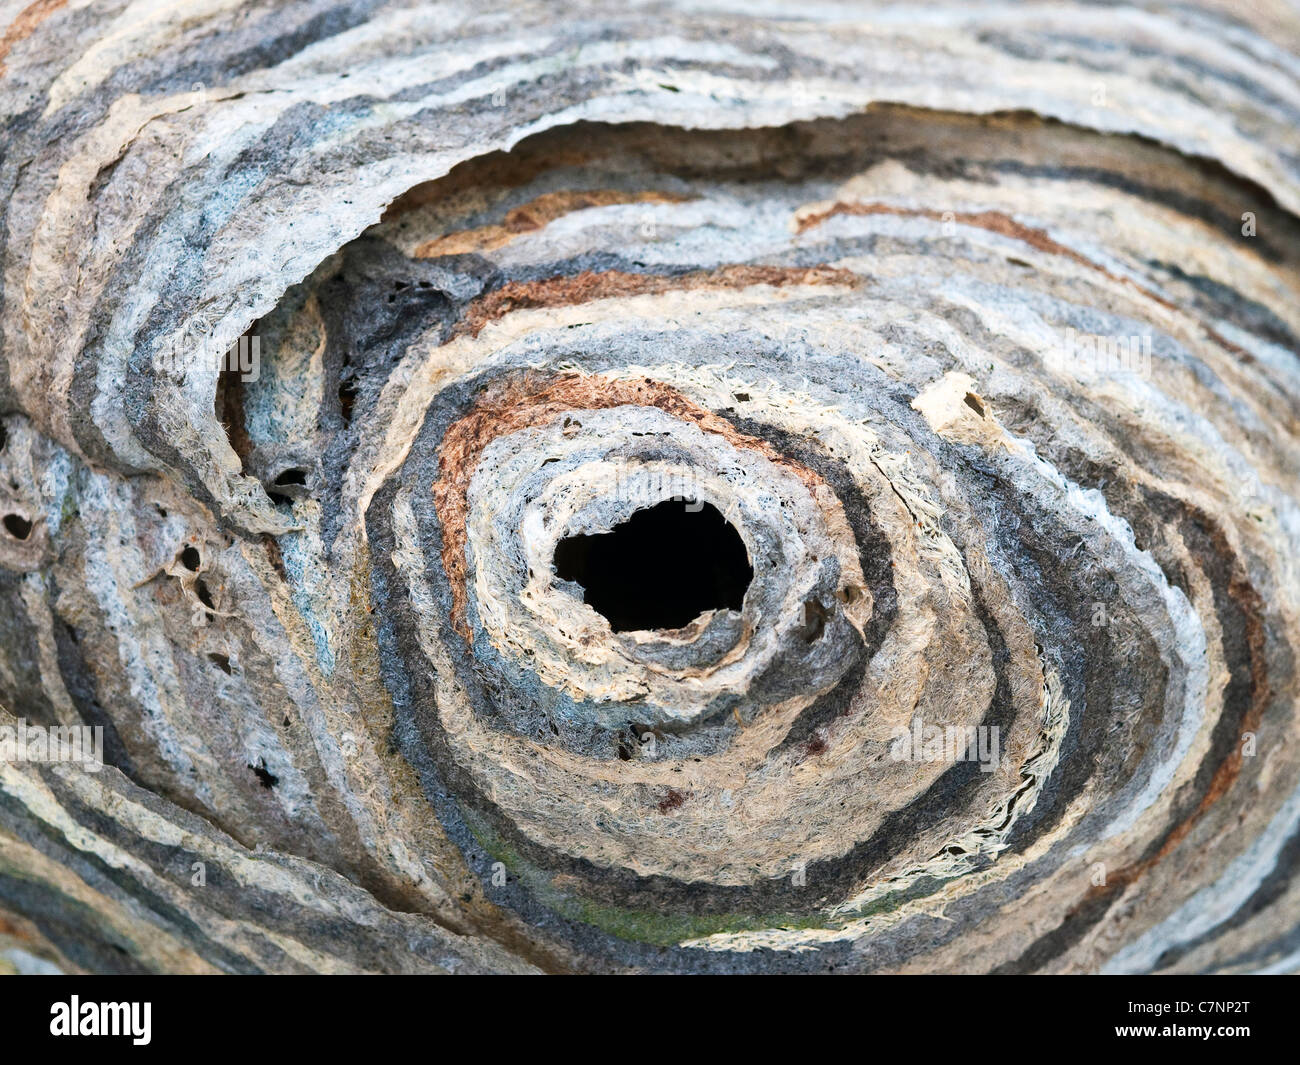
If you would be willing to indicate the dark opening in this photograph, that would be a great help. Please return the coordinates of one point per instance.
(291, 479)
(17, 526)
(264, 775)
(347, 400)
(661, 568)
(292, 476)
(229, 407)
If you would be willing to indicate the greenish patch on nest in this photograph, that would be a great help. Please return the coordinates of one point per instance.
(656, 928)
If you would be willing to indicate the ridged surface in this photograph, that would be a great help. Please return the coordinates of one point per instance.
(855, 274)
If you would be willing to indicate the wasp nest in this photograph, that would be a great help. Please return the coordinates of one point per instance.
(674, 492)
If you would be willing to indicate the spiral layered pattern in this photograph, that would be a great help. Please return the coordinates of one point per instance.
(995, 386)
